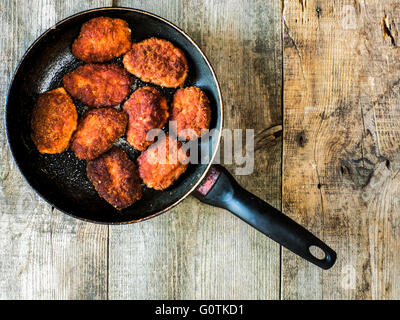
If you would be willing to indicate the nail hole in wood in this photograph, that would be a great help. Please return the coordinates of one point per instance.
(301, 139)
(318, 10)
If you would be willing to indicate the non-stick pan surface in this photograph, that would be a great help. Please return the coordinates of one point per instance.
(61, 179)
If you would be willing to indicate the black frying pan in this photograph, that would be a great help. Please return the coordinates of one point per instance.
(61, 179)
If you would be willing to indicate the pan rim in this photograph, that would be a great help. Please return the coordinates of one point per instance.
(220, 116)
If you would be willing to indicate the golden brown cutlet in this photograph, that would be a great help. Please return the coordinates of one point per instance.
(97, 131)
(157, 61)
(161, 164)
(191, 110)
(102, 39)
(98, 85)
(54, 119)
(147, 109)
(115, 178)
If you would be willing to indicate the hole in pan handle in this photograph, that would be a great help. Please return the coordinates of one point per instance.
(220, 189)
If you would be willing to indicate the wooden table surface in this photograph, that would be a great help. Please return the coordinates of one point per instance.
(328, 72)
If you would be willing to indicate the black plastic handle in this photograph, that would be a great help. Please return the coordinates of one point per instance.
(220, 189)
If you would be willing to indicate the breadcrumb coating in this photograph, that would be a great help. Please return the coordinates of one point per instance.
(102, 39)
(115, 178)
(147, 109)
(97, 131)
(157, 61)
(54, 119)
(191, 110)
(162, 163)
(98, 85)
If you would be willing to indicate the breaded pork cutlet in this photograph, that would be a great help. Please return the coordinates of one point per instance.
(162, 163)
(97, 131)
(157, 61)
(115, 178)
(98, 85)
(54, 119)
(191, 110)
(147, 109)
(102, 39)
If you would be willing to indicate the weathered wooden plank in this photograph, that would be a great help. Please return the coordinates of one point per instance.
(341, 145)
(43, 253)
(196, 251)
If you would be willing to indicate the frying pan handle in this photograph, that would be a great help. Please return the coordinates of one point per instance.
(220, 189)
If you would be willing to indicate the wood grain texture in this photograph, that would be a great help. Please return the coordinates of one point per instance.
(44, 254)
(341, 163)
(195, 251)
(341, 145)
